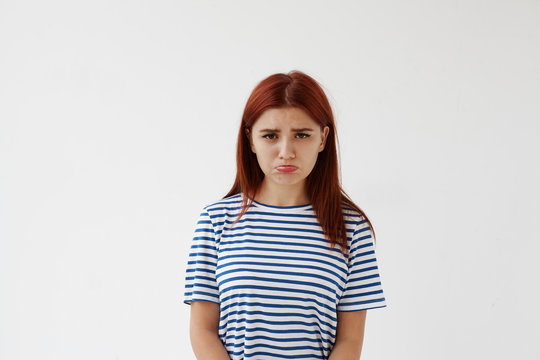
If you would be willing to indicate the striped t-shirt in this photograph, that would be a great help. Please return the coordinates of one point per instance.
(278, 283)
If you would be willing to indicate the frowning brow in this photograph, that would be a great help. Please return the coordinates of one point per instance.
(277, 130)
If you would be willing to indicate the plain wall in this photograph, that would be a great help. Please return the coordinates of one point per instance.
(118, 123)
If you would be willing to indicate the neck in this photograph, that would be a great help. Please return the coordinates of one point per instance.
(282, 195)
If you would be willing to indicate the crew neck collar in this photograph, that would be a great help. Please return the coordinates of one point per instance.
(292, 208)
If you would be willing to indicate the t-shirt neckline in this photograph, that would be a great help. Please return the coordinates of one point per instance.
(292, 208)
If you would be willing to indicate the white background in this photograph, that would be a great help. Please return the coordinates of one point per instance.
(118, 123)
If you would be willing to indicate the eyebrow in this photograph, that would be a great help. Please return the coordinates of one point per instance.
(277, 130)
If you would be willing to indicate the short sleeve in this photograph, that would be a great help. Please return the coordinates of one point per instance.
(200, 282)
(363, 289)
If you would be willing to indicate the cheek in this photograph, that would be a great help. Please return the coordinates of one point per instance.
(265, 150)
(265, 154)
(311, 150)
(314, 155)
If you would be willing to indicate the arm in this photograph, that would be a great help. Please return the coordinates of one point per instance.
(203, 331)
(349, 335)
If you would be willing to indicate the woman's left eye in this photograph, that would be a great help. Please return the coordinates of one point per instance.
(305, 135)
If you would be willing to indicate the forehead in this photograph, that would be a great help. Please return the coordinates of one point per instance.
(289, 117)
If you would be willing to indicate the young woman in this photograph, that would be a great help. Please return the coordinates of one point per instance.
(284, 266)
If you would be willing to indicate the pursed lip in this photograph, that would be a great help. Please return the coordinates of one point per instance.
(286, 168)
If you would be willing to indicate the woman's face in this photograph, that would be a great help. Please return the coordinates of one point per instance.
(286, 136)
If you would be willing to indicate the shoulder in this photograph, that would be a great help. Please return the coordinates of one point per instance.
(224, 205)
(217, 213)
(352, 216)
(357, 224)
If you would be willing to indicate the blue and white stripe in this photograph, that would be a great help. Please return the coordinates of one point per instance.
(278, 283)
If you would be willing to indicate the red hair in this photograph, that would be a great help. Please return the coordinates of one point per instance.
(296, 89)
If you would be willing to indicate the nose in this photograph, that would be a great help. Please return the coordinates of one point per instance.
(286, 150)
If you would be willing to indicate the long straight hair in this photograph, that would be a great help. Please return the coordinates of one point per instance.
(297, 89)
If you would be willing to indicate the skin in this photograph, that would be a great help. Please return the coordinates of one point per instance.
(349, 336)
(285, 145)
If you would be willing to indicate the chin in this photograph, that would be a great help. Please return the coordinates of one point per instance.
(288, 179)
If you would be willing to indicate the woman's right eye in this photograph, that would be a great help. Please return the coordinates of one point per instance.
(265, 136)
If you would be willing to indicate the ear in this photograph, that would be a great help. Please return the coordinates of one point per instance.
(324, 136)
(248, 134)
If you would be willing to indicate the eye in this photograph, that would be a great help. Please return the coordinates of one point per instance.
(301, 135)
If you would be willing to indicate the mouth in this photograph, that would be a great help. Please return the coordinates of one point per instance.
(286, 168)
